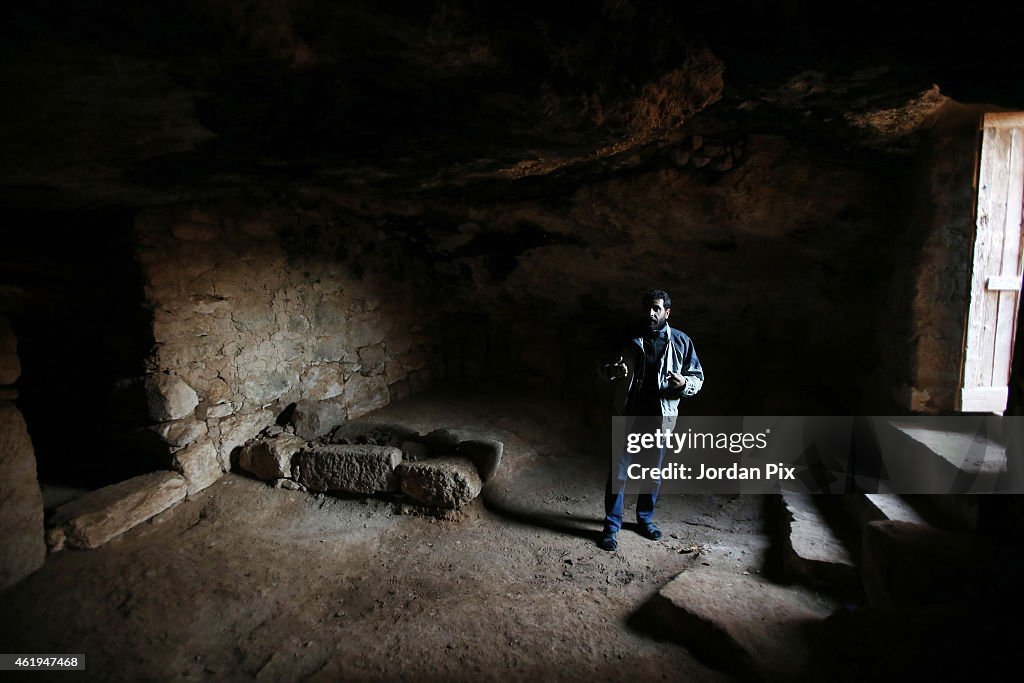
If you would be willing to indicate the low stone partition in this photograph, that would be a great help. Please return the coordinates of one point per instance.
(437, 471)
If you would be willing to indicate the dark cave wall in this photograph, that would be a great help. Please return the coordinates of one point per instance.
(258, 309)
(777, 268)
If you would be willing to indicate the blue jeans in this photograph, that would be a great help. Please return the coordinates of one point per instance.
(614, 492)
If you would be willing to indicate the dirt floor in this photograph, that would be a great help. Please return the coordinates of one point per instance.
(244, 581)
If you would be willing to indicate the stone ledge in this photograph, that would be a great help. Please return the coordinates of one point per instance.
(813, 552)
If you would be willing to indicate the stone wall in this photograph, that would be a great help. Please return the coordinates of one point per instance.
(22, 549)
(254, 311)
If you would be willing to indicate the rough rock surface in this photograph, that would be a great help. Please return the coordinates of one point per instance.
(199, 464)
(350, 468)
(485, 454)
(98, 516)
(22, 549)
(442, 482)
(179, 433)
(169, 398)
(270, 458)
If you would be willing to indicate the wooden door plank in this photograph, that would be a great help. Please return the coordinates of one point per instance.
(993, 185)
(1006, 319)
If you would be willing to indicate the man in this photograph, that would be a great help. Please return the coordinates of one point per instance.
(655, 370)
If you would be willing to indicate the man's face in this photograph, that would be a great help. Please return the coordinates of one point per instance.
(657, 313)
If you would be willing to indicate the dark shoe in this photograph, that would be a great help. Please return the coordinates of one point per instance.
(649, 530)
(608, 542)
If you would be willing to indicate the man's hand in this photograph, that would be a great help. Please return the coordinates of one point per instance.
(676, 380)
(616, 370)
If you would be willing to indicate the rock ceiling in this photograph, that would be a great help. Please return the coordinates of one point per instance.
(149, 103)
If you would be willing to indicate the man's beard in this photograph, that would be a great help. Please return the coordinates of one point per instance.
(657, 325)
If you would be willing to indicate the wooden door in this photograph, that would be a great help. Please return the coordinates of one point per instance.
(996, 267)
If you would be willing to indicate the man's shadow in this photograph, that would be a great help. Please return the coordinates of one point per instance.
(572, 525)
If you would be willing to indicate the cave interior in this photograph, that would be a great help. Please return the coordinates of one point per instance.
(242, 220)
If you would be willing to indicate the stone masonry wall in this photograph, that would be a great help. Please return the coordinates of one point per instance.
(254, 311)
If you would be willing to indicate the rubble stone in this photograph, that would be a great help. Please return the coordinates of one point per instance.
(237, 429)
(169, 398)
(441, 482)
(270, 458)
(180, 433)
(220, 410)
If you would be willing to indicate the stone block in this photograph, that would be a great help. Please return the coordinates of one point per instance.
(169, 398)
(98, 516)
(199, 464)
(270, 458)
(180, 433)
(313, 419)
(350, 468)
(485, 454)
(22, 548)
(442, 482)
(235, 430)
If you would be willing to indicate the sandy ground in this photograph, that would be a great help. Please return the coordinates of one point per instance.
(244, 581)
